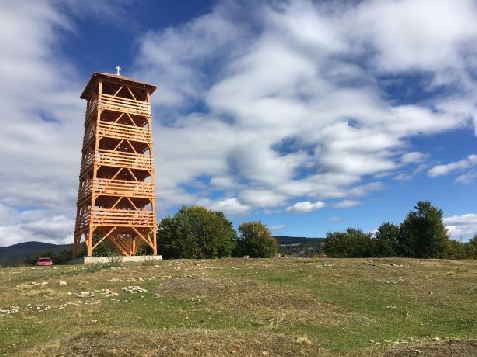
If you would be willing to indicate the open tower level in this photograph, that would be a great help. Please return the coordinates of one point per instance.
(116, 195)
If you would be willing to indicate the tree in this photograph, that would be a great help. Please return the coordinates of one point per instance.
(63, 256)
(353, 243)
(471, 248)
(195, 233)
(256, 241)
(104, 249)
(387, 240)
(423, 234)
(456, 250)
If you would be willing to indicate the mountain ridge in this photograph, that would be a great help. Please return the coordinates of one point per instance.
(20, 251)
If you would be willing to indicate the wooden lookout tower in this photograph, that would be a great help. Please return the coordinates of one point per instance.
(116, 196)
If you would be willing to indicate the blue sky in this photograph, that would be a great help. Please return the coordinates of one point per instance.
(309, 116)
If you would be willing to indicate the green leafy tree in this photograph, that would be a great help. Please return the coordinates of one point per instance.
(387, 240)
(423, 234)
(256, 241)
(471, 248)
(456, 250)
(195, 233)
(63, 256)
(353, 243)
(104, 249)
(33, 258)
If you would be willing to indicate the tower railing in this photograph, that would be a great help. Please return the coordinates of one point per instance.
(115, 217)
(124, 105)
(126, 160)
(125, 132)
(136, 189)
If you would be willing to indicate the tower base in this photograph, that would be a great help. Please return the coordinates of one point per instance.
(104, 260)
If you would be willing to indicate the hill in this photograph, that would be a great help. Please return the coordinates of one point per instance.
(319, 307)
(20, 251)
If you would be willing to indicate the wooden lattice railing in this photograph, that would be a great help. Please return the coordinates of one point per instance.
(127, 160)
(116, 188)
(91, 108)
(116, 159)
(116, 217)
(126, 132)
(86, 163)
(124, 105)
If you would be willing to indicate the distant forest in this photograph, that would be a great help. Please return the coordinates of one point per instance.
(299, 246)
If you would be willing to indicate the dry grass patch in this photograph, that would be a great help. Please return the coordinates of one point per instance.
(179, 343)
(455, 348)
(258, 299)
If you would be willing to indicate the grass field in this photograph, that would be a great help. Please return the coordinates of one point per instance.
(242, 307)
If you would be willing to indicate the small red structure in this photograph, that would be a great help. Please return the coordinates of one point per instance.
(44, 261)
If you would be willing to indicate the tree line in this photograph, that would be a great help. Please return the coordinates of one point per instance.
(422, 234)
(196, 232)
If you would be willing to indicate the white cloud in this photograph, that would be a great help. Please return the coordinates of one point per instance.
(41, 117)
(402, 177)
(305, 207)
(252, 111)
(463, 226)
(439, 170)
(262, 198)
(335, 219)
(410, 35)
(17, 227)
(291, 102)
(413, 157)
(230, 206)
(363, 190)
(278, 227)
(346, 204)
(182, 51)
(42, 121)
(467, 178)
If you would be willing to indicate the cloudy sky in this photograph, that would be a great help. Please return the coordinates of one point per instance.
(309, 116)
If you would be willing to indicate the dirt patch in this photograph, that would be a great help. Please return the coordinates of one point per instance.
(182, 343)
(455, 348)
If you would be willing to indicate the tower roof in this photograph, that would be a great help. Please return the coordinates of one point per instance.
(110, 77)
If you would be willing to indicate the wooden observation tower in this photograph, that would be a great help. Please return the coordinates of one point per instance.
(116, 196)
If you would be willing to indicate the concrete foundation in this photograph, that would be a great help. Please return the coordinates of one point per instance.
(103, 260)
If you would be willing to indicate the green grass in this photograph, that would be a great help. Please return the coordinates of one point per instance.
(243, 307)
